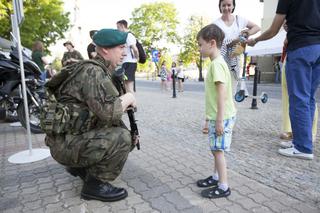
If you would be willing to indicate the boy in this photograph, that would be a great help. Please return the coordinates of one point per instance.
(220, 110)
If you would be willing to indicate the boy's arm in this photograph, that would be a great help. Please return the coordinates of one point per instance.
(221, 97)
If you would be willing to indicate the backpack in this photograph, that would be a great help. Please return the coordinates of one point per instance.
(142, 53)
(60, 118)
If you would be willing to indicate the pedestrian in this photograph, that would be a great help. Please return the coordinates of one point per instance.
(233, 27)
(302, 68)
(173, 74)
(71, 56)
(163, 76)
(220, 110)
(131, 59)
(286, 124)
(86, 132)
(180, 76)
(91, 49)
(39, 58)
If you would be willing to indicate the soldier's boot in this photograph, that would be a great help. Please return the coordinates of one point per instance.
(74, 171)
(97, 190)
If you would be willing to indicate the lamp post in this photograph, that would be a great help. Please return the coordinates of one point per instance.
(200, 66)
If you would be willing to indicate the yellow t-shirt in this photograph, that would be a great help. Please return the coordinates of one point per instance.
(218, 72)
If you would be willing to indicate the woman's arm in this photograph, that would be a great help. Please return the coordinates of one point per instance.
(252, 28)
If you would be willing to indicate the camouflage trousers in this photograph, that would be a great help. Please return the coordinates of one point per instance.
(103, 152)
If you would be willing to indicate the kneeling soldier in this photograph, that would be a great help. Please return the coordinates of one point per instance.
(82, 119)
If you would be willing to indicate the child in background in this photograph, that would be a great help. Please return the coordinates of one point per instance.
(163, 76)
(220, 110)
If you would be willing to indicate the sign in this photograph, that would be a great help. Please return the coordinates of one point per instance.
(155, 54)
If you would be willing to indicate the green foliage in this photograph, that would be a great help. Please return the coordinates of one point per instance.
(153, 23)
(190, 50)
(44, 20)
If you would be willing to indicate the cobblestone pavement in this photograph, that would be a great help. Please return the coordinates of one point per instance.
(174, 154)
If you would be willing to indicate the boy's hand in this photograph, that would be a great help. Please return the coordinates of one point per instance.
(219, 128)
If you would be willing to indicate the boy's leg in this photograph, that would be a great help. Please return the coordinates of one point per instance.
(218, 145)
(221, 167)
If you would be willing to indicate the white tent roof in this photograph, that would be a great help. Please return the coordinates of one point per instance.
(268, 47)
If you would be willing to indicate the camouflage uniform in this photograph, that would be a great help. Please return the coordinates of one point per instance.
(68, 55)
(104, 147)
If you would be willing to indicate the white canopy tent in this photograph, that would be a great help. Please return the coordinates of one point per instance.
(268, 47)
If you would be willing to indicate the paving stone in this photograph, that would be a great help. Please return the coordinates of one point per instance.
(156, 192)
(32, 205)
(275, 206)
(162, 205)
(161, 176)
(258, 197)
(177, 200)
(261, 209)
(142, 207)
(307, 208)
(236, 208)
(8, 203)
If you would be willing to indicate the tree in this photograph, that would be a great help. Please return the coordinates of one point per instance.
(155, 23)
(190, 50)
(44, 21)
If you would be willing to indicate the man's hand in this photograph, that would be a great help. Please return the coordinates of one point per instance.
(127, 100)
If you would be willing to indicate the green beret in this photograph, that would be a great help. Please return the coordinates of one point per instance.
(109, 38)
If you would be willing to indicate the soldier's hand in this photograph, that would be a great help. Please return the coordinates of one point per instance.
(128, 99)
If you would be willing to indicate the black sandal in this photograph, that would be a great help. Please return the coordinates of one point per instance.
(209, 181)
(215, 192)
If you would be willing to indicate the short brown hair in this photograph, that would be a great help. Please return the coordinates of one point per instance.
(123, 22)
(210, 32)
(37, 46)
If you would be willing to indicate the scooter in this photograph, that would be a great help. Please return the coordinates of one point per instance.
(242, 94)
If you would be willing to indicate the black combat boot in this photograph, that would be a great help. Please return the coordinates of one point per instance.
(81, 172)
(97, 190)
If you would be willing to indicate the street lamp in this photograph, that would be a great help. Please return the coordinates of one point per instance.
(200, 66)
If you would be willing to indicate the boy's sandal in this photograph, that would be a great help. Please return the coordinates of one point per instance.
(205, 130)
(215, 192)
(209, 181)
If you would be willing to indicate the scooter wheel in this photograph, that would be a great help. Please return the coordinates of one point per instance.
(239, 96)
(264, 98)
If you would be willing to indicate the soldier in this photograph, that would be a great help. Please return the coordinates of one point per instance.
(94, 143)
(71, 56)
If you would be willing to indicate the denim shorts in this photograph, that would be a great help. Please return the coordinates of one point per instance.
(221, 142)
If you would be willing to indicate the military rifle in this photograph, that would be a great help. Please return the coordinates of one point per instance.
(118, 79)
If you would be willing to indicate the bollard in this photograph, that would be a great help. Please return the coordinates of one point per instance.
(174, 95)
(254, 92)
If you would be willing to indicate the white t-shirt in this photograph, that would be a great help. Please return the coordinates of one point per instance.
(180, 73)
(233, 31)
(131, 40)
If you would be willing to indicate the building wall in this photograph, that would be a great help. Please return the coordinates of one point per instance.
(265, 63)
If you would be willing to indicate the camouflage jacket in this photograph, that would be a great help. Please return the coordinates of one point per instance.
(89, 92)
(68, 55)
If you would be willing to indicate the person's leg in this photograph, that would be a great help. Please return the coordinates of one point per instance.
(315, 84)
(302, 80)
(315, 124)
(221, 166)
(130, 70)
(286, 125)
(129, 86)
